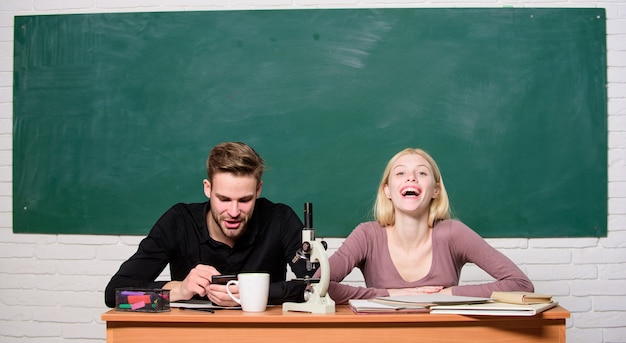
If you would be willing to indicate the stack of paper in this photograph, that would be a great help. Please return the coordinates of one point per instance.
(200, 304)
(409, 303)
(369, 306)
(430, 300)
(504, 304)
(493, 309)
(517, 304)
(527, 304)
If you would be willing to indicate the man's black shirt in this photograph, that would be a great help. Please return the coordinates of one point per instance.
(181, 238)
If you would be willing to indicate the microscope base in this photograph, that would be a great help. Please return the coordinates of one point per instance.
(321, 305)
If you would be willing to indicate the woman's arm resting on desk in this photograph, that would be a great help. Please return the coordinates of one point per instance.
(474, 249)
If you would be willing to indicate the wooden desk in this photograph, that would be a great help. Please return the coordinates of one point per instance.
(276, 326)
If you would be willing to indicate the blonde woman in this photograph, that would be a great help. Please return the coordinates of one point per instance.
(414, 246)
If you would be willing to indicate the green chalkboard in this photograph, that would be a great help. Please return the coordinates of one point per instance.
(114, 114)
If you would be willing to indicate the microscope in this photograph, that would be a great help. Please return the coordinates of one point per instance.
(316, 298)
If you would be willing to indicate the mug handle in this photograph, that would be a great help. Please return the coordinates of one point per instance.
(232, 282)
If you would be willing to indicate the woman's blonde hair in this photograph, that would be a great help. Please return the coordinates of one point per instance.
(384, 211)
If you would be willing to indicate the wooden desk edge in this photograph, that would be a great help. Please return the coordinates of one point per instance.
(343, 314)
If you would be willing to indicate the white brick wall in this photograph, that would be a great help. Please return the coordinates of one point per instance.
(51, 286)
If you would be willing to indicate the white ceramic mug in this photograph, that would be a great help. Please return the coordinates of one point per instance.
(254, 290)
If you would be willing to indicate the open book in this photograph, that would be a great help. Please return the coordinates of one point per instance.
(369, 306)
(200, 304)
(430, 300)
(493, 309)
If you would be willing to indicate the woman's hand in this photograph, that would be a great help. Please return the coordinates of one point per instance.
(416, 290)
(429, 289)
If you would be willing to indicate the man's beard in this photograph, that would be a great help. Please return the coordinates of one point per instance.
(230, 233)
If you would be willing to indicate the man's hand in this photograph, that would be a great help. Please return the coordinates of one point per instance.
(218, 295)
(197, 282)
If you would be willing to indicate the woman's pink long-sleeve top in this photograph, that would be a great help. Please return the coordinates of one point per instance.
(453, 243)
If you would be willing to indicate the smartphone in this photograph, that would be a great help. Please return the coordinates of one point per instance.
(222, 279)
(307, 280)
